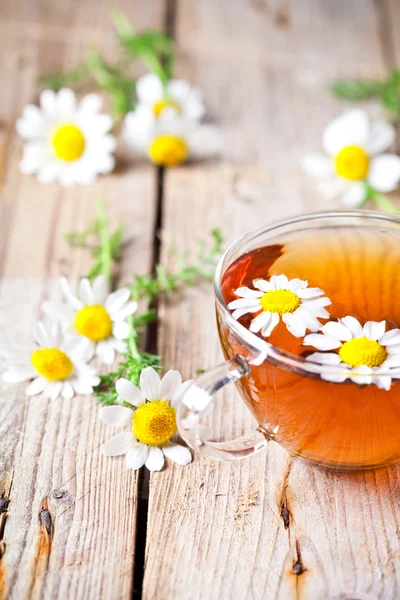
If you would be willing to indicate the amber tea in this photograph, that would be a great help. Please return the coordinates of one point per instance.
(330, 419)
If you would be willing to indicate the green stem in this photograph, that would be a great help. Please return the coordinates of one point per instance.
(382, 201)
(105, 242)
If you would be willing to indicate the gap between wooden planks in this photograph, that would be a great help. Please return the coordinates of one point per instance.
(268, 527)
(67, 514)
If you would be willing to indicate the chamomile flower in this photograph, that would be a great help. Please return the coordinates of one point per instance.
(291, 300)
(56, 366)
(366, 354)
(169, 138)
(99, 318)
(152, 418)
(355, 166)
(66, 141)
(154, 97)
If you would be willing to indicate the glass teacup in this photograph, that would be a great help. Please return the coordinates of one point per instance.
(337, 406)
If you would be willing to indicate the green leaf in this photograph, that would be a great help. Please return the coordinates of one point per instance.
(357, 89)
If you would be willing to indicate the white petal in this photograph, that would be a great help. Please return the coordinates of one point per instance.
(324, 358)
(169, 384)
(85, 292)
(280, 282)
(180, 392)
(56, 390)
(321, 341)
(116, 299)
(362, 376)
(150, 384)
(82, 387)
(155, 459)
(106, 352)
(317, 165)
(260, 321)
(239, 312)
(129, 392)
(354, 195)
(294, 324)
(334, 377)
(67, 391)
(36, 387)
(353, 325)
(295, 285)
(264, 286)
(309, 320)
(384, 174)
(383, 382)
(269, 327)
(116, 416)
(373, 330)
(68, 295)
(249, 303)
(381, 135)
(121, 330)
(20, 375)
(245, 292)
(136, 456)
(119, 444)
(337, 331)
(179, 454)
(390, 338)
(309, 293)
(149, 89)
(100, 289)
(393, 360)
(90, 104)
(351, 128)
(66, 101)
(48, 103)
(128, 309)
(42, 336)
(58, 310)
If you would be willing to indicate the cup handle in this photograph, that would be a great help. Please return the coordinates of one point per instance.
(196, 403)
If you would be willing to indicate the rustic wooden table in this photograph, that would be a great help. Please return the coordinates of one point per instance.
(267, 527)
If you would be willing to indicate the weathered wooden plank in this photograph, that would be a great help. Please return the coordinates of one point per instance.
(271, 526)
(69, 526)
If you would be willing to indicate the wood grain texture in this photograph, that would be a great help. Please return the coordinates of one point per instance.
(68, 515)
(271, 526)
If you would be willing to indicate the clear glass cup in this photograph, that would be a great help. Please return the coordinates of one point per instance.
(267, 373)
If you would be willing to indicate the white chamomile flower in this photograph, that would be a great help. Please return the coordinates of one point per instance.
(290, 299)
(355, 166)
(98, 317)
(169, 139)
(57, 366)
(153, 96)
(365, 354)
(152, 419)
(66, 141)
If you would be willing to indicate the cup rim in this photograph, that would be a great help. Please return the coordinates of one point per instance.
(259, 347)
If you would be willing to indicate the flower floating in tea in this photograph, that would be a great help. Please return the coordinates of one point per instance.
(66, 141)
(151, 414)
(355, 169)
(57, 366)
(99, 318)
(291, 300)
(366, 353)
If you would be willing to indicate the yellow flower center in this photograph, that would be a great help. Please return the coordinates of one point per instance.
(154, 423)
(352, 162)
(362, 352)
(159, 106)
(94, 322)
(52, 363)
(168, 151)
(68, 142)
(280, 301)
